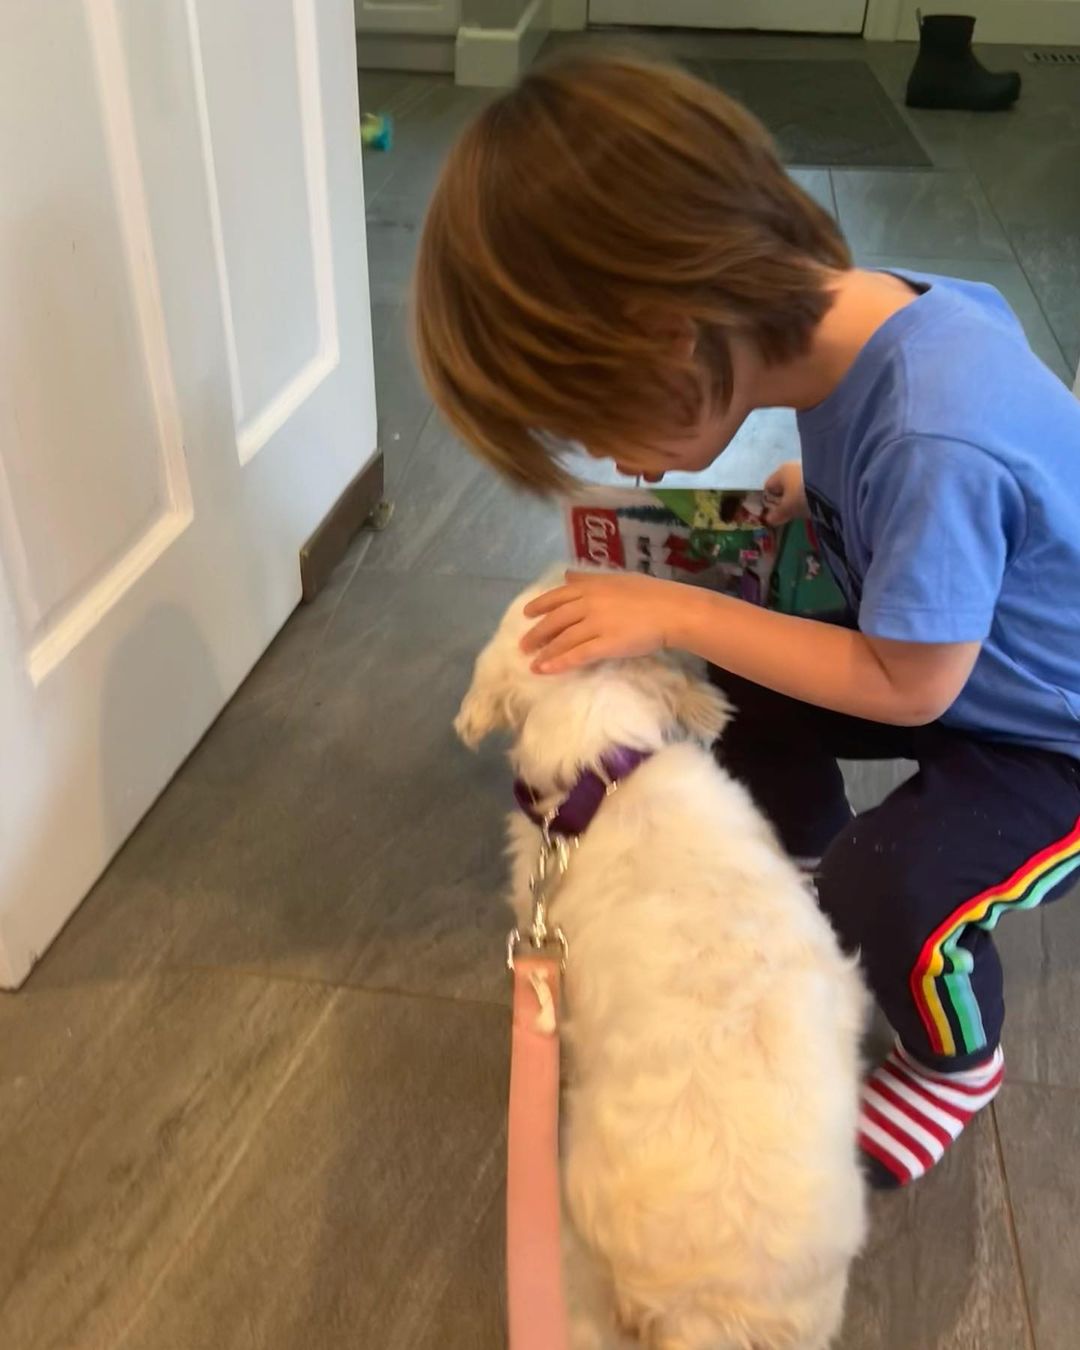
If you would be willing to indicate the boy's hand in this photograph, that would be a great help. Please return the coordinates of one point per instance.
(600, 617)
(785, 495)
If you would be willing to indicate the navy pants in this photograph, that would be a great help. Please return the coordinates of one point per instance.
(917, 884)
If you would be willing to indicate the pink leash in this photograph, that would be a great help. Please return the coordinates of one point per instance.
(534, 1272)
(537, 1304)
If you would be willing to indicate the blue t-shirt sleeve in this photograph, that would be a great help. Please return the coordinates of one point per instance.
(940, 520)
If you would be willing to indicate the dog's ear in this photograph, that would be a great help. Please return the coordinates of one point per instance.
(490, 705)
(702, 710)
(482, 711)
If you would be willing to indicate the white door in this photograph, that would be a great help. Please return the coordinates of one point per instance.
(185, 388)
(791, 16)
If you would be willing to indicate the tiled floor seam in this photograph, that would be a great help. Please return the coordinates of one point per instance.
(227, 1173)
(28, 1245)
(1020, 264)
(1014, 1236)
(336, 986)
(353, 563)
(483, 1181)
(403, 470)
(1033, 1084)
(418, 570)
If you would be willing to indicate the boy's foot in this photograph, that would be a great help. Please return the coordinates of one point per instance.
(910, 1115)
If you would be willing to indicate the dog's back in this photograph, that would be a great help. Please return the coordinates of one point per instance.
(713, 1040)
(712, 1022)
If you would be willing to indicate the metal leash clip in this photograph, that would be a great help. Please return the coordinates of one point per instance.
(552, 864)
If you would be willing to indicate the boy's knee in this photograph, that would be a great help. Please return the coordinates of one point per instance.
(867, 885)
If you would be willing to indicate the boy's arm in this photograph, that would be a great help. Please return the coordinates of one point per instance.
(901, 683)
(943, 518)
(600, 617)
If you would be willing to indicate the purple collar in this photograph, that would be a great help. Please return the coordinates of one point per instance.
(581, 803)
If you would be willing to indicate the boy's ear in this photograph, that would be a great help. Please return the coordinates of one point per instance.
(702, 710)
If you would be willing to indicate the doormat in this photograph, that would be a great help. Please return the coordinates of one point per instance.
(820, 112)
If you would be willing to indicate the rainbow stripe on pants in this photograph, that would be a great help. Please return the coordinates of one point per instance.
(941, 978)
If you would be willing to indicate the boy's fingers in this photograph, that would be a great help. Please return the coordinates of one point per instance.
(544, 604)
(564, 642)
(547, 629)
(587, 653)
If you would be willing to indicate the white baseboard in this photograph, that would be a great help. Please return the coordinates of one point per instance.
(1034, 23)
(405, 51)
(492, 58)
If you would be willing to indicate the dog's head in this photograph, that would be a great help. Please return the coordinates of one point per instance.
(561, 723)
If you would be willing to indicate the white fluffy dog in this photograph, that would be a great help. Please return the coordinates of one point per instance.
(712, 1023)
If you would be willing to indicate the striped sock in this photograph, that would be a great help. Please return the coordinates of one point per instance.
(910, 1115)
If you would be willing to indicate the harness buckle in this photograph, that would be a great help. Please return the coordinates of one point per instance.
(556, 939)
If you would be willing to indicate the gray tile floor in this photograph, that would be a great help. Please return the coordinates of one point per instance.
(253, 1097)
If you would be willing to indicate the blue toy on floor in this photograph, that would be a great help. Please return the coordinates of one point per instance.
(377, 131)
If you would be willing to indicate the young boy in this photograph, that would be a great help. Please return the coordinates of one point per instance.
(615, 257)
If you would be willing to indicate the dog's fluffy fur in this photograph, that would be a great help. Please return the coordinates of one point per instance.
(712, 1023)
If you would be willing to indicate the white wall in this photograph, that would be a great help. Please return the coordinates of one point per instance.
(492, 13)
(413, 17)
(1030, 22)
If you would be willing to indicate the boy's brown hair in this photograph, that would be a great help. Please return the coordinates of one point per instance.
(588, 214)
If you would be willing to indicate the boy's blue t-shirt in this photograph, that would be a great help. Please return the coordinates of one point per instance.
(943, 476)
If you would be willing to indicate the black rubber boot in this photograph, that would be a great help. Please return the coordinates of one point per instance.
(947, 73)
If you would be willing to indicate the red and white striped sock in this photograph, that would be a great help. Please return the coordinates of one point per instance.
(910, 1114)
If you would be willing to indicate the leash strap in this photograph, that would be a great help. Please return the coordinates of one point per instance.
(537, 1304)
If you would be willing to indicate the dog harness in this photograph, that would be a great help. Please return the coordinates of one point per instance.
(574, 814)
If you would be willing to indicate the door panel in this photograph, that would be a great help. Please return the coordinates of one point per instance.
(264, 159)
(86, 360)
